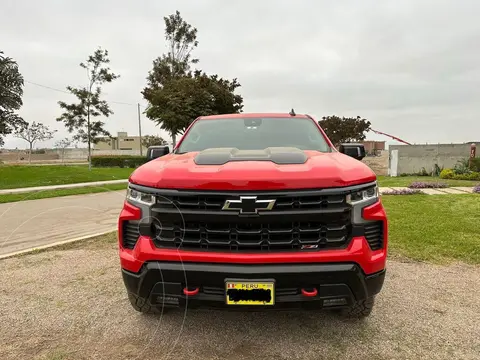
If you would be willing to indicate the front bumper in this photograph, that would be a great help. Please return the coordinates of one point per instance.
(338, 285)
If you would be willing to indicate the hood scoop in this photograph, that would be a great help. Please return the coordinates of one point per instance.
(277, 155)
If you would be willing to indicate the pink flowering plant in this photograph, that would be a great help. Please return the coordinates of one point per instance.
(403, 192)
(427, 185)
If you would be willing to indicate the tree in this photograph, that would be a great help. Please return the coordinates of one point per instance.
(78, 116)
(11, 92)
(344, 130)
(32, 133)
(175, 93)
(181, 101)
(62, 145)
(152, 140)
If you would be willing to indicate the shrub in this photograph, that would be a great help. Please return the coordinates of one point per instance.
(468, 176)
(461, 167)
(427, 185)
(447, 174)
(475, 164)
(118, 161)
(437, 170)
(403, 192)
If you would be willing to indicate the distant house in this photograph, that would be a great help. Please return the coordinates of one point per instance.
(121, 142)
(373, 147)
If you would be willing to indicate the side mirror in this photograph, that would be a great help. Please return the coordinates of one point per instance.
(155, 152)
(357, 151)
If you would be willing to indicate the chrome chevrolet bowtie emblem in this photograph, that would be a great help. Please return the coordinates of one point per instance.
(248, 205)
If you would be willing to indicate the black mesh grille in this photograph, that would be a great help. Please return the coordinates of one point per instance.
(246, 236)
(130, 234)
(374, 234)
(304, 220)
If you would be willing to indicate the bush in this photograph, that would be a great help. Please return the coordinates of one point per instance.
(447, 174)
(469, 176)
(475, 164)
(462, 175)
(461, 167)
(118, 161)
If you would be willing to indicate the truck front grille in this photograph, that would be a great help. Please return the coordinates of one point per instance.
(307, 220)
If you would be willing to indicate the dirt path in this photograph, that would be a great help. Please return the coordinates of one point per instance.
(71, 304)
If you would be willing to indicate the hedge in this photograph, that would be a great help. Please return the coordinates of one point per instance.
(450, 174)
(118, 161)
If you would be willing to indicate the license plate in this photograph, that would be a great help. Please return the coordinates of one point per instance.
(239, 292)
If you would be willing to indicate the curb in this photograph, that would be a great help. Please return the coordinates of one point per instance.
(58, 243)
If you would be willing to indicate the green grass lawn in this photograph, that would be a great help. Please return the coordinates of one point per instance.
(404, 181)
(438, 228)
(35, 195)
(21, 176)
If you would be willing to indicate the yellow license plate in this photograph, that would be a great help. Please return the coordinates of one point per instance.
(249, 292)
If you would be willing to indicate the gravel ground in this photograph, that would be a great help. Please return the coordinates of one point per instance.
(71, 304)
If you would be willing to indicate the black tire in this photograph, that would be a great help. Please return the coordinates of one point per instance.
(143, 305)
(359, 310)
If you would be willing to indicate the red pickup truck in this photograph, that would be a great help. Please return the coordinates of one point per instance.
(257, 212)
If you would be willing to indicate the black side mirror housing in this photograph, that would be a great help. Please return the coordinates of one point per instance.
(154, 152)
(357, 151)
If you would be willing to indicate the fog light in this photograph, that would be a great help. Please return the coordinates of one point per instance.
(334, 302)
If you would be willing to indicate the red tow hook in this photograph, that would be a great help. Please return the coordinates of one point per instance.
(191, 292)
(309, 293)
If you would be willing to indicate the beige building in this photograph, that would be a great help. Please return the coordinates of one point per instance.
(121, 142)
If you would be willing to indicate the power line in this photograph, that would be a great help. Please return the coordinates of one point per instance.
(47, 87)
(66, 92)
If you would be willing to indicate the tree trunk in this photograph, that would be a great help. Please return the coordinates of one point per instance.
(88, 137)
(30, 154)
(174, 139)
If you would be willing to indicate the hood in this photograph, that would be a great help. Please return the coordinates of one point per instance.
(315, 170)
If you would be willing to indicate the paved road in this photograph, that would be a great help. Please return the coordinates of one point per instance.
(29, 224)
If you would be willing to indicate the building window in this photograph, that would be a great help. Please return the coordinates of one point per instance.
(128, 140)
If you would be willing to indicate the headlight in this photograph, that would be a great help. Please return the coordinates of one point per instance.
(363, 195)
(140, 197)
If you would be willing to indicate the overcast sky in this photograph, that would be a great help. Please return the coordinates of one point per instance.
(412, 67)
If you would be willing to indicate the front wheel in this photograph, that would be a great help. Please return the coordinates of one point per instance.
(359, 309)
(143, 305)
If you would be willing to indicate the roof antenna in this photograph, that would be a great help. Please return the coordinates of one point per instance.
(292, 112)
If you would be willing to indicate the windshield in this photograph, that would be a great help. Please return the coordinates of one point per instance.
(254, 134)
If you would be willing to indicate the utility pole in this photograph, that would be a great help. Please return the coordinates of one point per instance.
(140, 129)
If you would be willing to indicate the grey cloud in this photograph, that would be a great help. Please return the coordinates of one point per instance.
(411, 67)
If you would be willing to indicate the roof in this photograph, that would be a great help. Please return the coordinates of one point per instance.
(253, 115)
